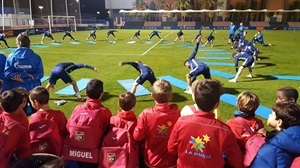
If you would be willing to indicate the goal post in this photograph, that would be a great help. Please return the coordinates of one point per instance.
(57, 21)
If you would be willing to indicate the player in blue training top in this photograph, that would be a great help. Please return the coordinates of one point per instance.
(2, 35)
(241, 30)
(196, 68)
(210, 38)
(111, 32)
(180, 35)
(154, 33)
(46, 33)
(259, 37)
(196, 37)
(62, 71)
(146, 73)
(232, 30)
(250, 49)
(248, 61)
(92, 34)
(137, 35)
(67, 33)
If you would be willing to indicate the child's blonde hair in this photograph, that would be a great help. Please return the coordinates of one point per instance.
(162, 91)
(248, 102)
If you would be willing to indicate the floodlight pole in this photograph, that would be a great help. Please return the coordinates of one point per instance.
(79, 8)
(67, 12)
(3, 15)
(51, 6)
(30, 10)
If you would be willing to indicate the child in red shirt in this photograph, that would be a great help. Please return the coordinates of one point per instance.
(199, 139)
(247, 103)
(126, 103)
(17, 141)
(155, 125)
(92, 106)
(39, 98)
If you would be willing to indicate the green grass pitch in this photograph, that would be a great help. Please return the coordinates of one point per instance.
(281, 58)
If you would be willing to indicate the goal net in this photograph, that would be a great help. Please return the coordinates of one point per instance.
(57, 22)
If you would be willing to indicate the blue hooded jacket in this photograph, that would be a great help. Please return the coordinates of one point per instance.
(23, 61)
(279, 151)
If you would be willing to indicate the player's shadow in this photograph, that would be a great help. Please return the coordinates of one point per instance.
(260, 77)
(219, 45)
(108, 96)
(263, 57)
(263, 64)
(233, 91)
(178, 98)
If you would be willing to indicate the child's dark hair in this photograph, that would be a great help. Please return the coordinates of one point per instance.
(39, 94)
(23, 40)
(207, 93)
(127, 101)
(288, 112)
(290, 92)
(23, 91)
(248, 102)
(11, 100)
(94, 88)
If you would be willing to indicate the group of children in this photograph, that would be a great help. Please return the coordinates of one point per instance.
(164, 136)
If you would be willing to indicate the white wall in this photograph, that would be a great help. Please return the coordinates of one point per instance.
(119, 4)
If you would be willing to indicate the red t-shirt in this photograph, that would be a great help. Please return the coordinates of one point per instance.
(154, 127)
(200, 140)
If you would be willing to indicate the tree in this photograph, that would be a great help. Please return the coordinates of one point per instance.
(211, 16)
(161, 4)
(182, 4)
(152, 5)
(210, 4)
(226, 15)
(139, 4)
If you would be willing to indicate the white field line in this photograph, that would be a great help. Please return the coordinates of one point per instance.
(76, 53)
(156, 44)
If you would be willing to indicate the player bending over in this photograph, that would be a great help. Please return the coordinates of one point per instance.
(248, 61)
(111, 32)
(137, 35)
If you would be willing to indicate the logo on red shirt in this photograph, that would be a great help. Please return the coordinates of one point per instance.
(79, 136)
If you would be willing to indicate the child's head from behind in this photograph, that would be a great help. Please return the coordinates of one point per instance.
(284, 115)
(207, 93)
(24, 93)
(11, 100)
(23, 40)
(39, 96)
(94, 89)
(248, 102)
(127, 101)
(161, 91)
(287, 94)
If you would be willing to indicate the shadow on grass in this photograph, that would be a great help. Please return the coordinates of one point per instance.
(265, 64)
(107, 96)
(178, 98)
(233, 91)
(259, 77)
